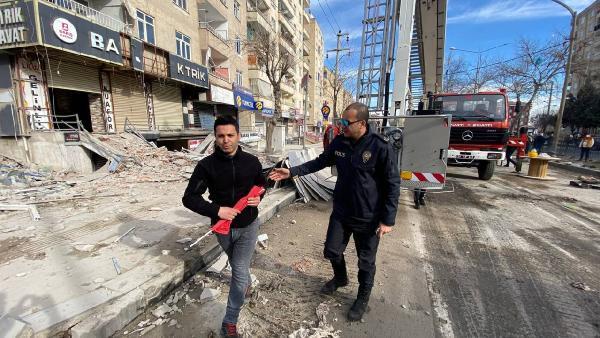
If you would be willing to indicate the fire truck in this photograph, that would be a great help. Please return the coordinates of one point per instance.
(479, 129)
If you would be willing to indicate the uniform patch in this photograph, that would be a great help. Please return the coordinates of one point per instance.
(366, 156)
(340, 154)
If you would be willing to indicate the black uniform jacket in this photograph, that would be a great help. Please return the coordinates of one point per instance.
(368, 182)
(227, 179)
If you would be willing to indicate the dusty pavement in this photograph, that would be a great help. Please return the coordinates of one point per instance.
(507, 257)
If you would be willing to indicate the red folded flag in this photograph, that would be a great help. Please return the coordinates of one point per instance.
(222, 227)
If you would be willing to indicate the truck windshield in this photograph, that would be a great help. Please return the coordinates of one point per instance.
(476, 107)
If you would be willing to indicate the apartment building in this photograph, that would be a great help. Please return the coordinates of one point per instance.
(313, 63)
(586, 51)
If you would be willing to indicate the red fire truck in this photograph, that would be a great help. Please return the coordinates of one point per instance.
(479, 131)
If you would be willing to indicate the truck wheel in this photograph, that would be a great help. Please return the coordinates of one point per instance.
(485, 169)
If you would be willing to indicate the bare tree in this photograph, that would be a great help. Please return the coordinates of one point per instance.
(338, 84)
(535, 65)
(455, 76)
(275, 62)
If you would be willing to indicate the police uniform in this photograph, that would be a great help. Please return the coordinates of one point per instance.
(365, 195)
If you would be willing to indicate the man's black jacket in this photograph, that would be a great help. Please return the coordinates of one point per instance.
(227, 179)
(368, 182)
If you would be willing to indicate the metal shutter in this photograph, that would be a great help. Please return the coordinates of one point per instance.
(71, 76)
(129, 101)
(168, 107)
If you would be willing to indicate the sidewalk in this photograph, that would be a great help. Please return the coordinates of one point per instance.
(579, 167)
(77, 276)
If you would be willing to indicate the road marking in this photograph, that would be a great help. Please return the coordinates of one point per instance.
(439, 306)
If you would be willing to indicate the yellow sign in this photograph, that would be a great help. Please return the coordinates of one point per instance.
(325, 110)
(406, 175)
(259, 105)
(238, 100)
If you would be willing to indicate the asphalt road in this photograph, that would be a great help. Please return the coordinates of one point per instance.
(497, 258)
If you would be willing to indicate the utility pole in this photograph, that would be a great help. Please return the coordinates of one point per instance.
(550, 97)
(561, 110)
(336, 69)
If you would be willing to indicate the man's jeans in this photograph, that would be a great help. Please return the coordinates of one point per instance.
(239, 246)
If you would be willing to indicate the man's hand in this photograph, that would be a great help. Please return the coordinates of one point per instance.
(227, 213)
(253, 201)
(279, 174)
(383, 229)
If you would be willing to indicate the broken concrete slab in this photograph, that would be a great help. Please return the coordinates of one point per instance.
(209, 294)
(219, 264)
(14, 328)
(162, 311)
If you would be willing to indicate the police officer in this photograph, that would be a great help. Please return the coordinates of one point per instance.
(365, 199)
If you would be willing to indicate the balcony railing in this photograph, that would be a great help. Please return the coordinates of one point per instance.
(220, 73)
(220, 34)
(252, 9)
(93, 15)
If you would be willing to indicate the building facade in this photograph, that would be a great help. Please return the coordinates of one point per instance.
(586, 50)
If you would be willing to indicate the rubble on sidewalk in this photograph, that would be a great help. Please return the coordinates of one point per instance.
(586, 182)
(323, 328)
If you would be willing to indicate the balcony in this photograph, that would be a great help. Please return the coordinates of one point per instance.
(93, 15)
(306, 3)
(286, 27)
(261, 88)
(306, 17)
(255, 16)
(263, 5)
(286, 9)
(214, 38)
(305, 49)
(287, 88)
(287, 46)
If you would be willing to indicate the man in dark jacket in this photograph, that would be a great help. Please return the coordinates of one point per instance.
(365, 199)
(229, 174)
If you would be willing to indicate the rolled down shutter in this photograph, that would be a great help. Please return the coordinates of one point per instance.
(167, 106)
(72, 76)
(129, 101)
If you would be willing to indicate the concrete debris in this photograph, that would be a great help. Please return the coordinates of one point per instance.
(262, 240)
(293, 221)
(143, 323)
(209, 294)
(173, 322)
(99, 280)
(219, 265)
(162, 311)
(166, 252)
(82, 247)
(159, 322)
(189, 300)
(35, 215)
(148, 329)
(253, 281)
(142, 243)
(403, 306)
(302, 265)
(22, 274)
(184, 240)
(155, 209)
(116, 265)
(580, 286)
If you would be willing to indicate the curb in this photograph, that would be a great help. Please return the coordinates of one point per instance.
(111, 314)
(575, 169)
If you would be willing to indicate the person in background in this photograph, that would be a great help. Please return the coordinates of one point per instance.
(538, 142)
(586, 144)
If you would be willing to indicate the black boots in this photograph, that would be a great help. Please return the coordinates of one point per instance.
(340, 277)
(361, 304)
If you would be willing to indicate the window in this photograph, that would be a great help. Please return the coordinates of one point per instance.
(181, 3)
(184, 48)
(145, 25)
(238, 45)
(239, 79)
(236, 9)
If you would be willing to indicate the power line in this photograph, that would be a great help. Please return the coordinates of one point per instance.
(332, 15)
(326, 17)
(504, 61)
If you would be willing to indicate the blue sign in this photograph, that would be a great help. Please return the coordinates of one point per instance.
(267, 112)
(243, 98)
(325, 116)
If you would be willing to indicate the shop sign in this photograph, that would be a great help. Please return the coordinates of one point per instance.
(34, 94)
(76, 34)
(243, 98)
(186, 71)
(267, 112)
(107, 104)
(72, 137)
(221, 95)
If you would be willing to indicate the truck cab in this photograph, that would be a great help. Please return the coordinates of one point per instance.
(479, 130)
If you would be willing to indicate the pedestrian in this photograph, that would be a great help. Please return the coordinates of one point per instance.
(509, 152)
(586, 144)
(419, 197)
(538, 142)
(229, 174)
(365, 199)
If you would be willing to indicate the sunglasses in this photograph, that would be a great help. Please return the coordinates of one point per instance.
(346, 123)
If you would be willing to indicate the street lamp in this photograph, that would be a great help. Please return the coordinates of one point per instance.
(561, 109)
(479, 52)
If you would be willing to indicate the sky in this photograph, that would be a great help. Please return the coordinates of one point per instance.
(472, 25)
